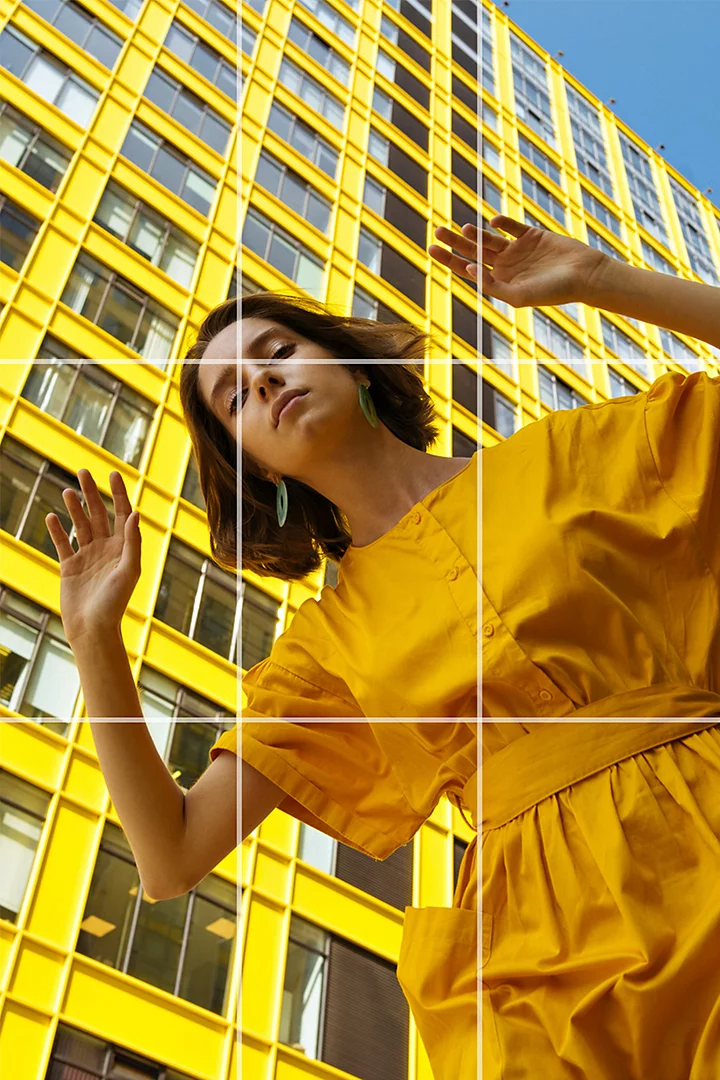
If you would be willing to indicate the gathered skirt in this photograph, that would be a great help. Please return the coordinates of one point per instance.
(600, 907)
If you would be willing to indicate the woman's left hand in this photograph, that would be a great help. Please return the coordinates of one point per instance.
(465, 264)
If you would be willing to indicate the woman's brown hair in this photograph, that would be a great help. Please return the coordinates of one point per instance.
(315, 528)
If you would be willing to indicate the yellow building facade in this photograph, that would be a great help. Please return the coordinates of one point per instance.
(556, 157)
(359, 139)
(120, 231)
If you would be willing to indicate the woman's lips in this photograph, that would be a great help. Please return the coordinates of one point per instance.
(289, 405)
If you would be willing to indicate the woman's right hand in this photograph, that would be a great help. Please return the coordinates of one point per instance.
(539, 268)
(97, 580)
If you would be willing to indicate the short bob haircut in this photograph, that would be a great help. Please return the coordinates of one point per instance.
(315, 528)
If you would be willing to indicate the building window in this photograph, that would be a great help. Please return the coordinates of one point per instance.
(556, 340)
(197, 54)
(498, 411)
(28, 147)
(17, 233)
(259, 622)
(311, 92)
(286, 254)
(312, 45)
(82, 28)
(188, 110)
(303, 139)
(293, 191)
(169, 167)
(465, 387)
(620, 386)
(89, 400)
(148, 233)
(221, 17)
(44, 73)
(555, 393)
(120, 308)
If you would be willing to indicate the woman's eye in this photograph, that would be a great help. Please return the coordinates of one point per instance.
(281, 349)
(233, 404)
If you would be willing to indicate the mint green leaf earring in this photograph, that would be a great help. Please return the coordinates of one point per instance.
(281, 503)
(367, 405)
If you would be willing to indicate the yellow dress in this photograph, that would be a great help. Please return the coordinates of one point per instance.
(601, 840)
(371, 785)
(601, 559)
(397, 637)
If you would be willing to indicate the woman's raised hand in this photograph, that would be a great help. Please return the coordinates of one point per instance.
(466, 263)
(97, 580)
(539, 268)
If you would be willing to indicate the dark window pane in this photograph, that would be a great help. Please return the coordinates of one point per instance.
(120, 315)
(318, 212)
(407, 220)
(268, 173)
(46, 164)
(279, 122)
(410, 125)
(102, 47)
(255, 235)
(72, 24)
(227, 82)
(167, 170)
(188, 112)
(465, 94)
(412, 86)
(160, 91)
(465, 323)
(408, 170)
(205, 62)
(294, 193)
(303, 141)
(139, 147)
(14, 54)
(215, 133)
(17, 232)
(282, 255)
(403, 275)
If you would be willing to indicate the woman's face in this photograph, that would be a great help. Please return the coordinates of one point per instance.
(323, 418)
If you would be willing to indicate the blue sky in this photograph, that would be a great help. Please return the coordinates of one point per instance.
(659, 59)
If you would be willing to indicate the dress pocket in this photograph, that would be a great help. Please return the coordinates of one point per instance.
(437, 971)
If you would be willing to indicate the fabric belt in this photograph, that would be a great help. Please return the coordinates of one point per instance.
(661, 699)
(552, 756)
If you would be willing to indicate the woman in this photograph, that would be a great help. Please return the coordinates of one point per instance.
(601, 841)
(344, 473)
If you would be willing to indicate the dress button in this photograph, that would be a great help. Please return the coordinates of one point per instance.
(417, 517)
(453, 574)
(545, 695)
(488, 629)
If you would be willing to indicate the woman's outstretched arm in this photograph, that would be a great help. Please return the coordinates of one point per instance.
(662, 299)
(541, 268)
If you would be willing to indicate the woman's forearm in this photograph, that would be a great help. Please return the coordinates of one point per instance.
(661, 299)
(148, 801)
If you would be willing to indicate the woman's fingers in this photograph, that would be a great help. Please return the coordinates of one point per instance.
(123, 509)
(99, 521)
(492, 242)
(83, 529)
(59, 537)
(464, 244)
(509, 225)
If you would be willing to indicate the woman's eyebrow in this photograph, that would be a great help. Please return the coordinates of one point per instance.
(255, 344)
(228, 372)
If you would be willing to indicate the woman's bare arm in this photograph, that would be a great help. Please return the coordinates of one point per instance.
(662, 299)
